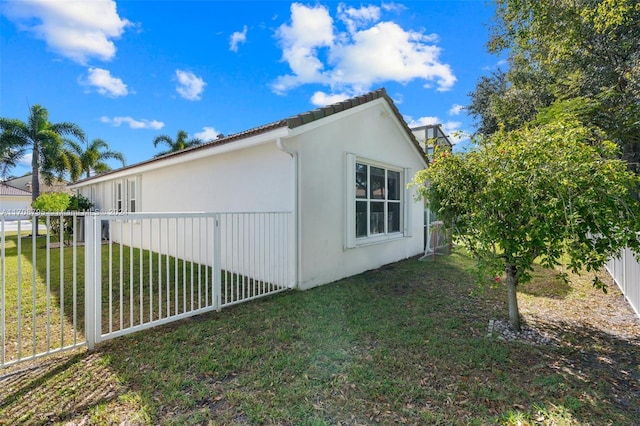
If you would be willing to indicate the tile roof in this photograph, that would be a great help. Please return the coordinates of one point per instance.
(13, 191)
(291, 122)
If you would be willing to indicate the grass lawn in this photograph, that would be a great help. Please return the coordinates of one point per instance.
(402, 344)
(46, 312)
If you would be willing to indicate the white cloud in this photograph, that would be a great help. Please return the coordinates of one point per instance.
(77, 30)
(207, 134)
(190, 86)
(394, 7)
(322, 99)
(422, 121)
(26, 160)
(237, 38)
(350, 61)
(450, 128)
(133, 123)
(105, 83)
(498, 65)
(355, 18)
(310, 29)
(456, 109)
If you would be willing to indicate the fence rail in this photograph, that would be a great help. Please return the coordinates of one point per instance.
(91, 277)
(625, 271)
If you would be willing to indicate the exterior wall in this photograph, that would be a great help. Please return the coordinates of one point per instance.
(257, 179)
(369, 132)
(11, 204)
(261, 178)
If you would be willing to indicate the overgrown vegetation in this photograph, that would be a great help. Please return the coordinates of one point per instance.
(559, 51)
(402, 344)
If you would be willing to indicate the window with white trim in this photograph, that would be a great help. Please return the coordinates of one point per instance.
(126, 195)
(117, 196)
(92, 195)
(131, 195)
(376, 200)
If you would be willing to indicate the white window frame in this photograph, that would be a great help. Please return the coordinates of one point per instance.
(128, 198)
(132, 195)
(351, 240)
(118, 196)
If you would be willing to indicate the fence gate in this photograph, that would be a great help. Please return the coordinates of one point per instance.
(91, 277)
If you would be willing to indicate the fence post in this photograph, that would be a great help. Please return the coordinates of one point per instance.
(92, 280)
(216, 267)
(89, 280)
(625, 252)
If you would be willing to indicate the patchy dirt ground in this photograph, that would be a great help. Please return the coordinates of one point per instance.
(601, 329)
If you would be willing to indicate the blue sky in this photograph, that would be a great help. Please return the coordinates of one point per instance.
(128, 71)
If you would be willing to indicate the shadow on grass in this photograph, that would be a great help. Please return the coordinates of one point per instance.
(546, 283)
(401, 344)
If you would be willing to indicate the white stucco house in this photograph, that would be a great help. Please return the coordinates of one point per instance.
(342, 170)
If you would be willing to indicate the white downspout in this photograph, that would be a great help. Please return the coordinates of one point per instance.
(296, 209)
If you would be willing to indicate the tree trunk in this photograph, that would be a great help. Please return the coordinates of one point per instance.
(512, 295)
(35, 181)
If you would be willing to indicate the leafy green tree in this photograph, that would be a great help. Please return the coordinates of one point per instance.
(44, 140)
(54, 202)
(553, 193)
(80, 203)
(181, 142)
(58, 202)
(564, 49)
(93, 157)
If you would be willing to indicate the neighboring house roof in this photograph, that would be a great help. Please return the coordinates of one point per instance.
(291, 123)
(24, 183)
(13, 191)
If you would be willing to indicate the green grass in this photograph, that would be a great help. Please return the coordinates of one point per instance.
(138, 286)
(402, 344)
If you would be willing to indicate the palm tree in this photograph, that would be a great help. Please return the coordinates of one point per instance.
(92, 159)
(44, 139)
(9, 158)
(179, 144)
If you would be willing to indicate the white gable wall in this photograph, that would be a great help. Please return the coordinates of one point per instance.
(370, 132)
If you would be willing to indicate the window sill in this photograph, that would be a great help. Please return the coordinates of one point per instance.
(379, 239)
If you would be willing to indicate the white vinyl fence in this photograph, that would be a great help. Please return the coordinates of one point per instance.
(114, 274)
(625, 271)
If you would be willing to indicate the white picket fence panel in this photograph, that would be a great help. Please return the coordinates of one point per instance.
(625, 271)
(135, 271)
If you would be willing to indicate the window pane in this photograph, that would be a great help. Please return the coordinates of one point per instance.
(133, 206)
(377, 184)
(393, 185)
(377, 217)
(361, 219)
(393, 219)
(361, 180)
